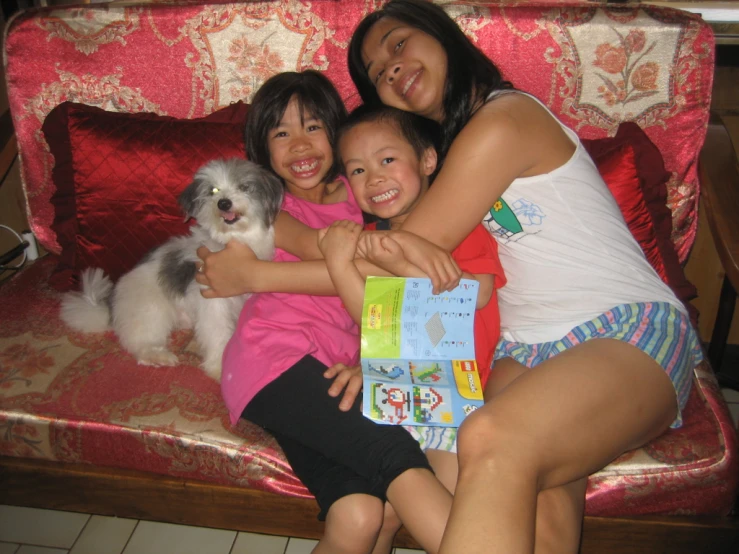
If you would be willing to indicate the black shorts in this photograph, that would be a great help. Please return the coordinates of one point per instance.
(333, 453)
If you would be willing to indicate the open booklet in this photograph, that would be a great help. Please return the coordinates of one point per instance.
(418, 352)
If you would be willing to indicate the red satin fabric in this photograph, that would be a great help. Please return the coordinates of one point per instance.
(633, 169)
(117, 179)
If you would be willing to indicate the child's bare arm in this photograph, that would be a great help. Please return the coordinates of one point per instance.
(387, 254)
(236, 270)
(487, 286)
(349, 285)
(437, 264)
(296, 237)
(338, 243)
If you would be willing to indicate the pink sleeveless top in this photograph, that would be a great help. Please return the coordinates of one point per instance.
(276, 330)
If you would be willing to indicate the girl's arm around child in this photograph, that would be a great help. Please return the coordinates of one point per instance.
(235, 270)
(338, 244)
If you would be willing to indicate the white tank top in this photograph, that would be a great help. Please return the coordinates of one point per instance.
(566, 250)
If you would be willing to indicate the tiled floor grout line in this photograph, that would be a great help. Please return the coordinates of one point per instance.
(17, 546)
(128, 540)
(77, 538)
(233, 543)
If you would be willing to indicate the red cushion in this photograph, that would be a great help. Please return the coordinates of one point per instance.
(633, 169)
(117, 179)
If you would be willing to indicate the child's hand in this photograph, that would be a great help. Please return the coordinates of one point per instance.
(346, 378)
(226, 273)
(338, 243)
(382, 250)
(434, 261)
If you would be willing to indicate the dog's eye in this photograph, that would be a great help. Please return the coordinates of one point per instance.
(215, 190)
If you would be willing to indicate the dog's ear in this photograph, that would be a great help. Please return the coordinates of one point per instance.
(190, 198)
(273, 192)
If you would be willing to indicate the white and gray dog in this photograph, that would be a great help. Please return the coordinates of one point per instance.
(231, 200)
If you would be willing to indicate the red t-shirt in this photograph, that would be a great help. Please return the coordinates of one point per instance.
(478, 254)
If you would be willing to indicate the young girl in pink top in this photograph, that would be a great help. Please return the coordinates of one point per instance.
(275, 364)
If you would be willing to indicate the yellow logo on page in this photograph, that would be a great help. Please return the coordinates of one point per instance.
(374, 316)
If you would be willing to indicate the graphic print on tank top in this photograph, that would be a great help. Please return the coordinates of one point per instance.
(506, 222)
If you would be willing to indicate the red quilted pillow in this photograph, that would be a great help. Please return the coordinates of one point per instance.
(633, 169)
(117, 179)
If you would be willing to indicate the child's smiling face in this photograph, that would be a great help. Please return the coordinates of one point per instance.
(300, 152)
(386, 175)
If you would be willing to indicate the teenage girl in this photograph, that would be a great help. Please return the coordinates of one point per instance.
(597, 353)
(274, 365)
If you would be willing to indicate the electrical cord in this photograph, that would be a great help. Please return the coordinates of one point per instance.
(14, 252)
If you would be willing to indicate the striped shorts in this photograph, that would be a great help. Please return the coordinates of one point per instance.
(658, 329)
(433, 437)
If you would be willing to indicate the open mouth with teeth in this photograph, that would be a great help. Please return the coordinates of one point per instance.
(304, 166)
(230, 217)
(385, 196)
(408, 83)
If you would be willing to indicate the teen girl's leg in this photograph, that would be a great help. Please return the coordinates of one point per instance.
(550, 427)
(559, 510)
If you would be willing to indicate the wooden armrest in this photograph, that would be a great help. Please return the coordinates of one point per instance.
(720, 194)
(8, 145)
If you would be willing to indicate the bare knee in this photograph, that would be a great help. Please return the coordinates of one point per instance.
(488, 440)
(353, 524)
(391, 523)
(481, 435)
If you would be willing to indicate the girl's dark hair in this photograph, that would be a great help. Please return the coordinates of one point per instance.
(316, 96)
(421, 133)
(471, 75)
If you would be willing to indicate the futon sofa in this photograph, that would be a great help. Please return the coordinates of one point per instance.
(115, 106)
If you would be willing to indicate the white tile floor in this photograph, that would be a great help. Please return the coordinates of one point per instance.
(33, 531)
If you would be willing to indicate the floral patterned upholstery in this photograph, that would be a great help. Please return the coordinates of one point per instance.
(79, 398)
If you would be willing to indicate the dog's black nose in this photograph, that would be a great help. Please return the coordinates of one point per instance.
(224, 204)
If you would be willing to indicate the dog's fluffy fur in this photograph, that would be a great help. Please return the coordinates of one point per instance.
(231, 200)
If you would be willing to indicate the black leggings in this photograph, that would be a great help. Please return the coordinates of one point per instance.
(333, 453)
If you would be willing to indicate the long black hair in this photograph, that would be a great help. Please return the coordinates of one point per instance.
(316, 95)
(471, 75)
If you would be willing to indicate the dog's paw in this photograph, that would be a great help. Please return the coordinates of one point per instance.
(156, 356)
(212, 370)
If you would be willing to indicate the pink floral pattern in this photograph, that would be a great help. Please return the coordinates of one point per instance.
(19, 440)
(93, 54)
(637, 79)
(20, 362)
(254, 64)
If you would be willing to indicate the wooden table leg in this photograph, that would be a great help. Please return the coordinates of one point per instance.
(720, 335)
